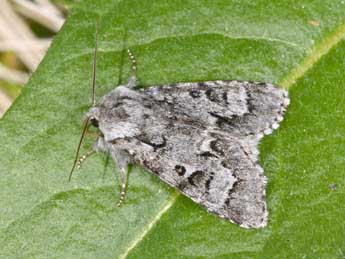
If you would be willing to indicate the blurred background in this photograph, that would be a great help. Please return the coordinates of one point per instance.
(27, 28)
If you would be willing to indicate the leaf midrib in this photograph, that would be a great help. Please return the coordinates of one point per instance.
(146, 229)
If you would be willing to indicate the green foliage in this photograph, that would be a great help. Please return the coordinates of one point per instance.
(45, 216)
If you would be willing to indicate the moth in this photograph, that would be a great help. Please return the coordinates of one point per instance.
(199, 137)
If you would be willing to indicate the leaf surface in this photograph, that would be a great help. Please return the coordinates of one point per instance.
(42, 215)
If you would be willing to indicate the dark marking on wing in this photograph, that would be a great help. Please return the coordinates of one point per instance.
(261, 83)
(263, 207)
(211, 95)
(227, 202)
(249, 100)
(207, 154)
(234, 187)
(196, 177)
(214, 145)
(225, 97)
(149, 165)
(222, 119)
(148, 105)
(225, 164)
(230, 192)
(180, 170)
(208, 182)
(154, 145)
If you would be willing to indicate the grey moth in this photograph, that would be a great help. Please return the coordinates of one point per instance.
(199, 137)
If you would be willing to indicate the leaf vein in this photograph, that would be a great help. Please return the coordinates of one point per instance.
(166, 206)
(318, 51)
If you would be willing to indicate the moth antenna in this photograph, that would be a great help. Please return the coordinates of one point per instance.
(94, 68)
(133, 79)
(133, 61)
(86, 122)
(82, 158)
(123, 175)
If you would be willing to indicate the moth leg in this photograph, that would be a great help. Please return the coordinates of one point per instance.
(83, 157)
(123, 175)
(133, 79)
(92, 134)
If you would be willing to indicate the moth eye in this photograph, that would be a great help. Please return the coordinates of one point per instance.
(94, 122)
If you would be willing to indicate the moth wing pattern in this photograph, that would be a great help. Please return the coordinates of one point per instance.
(239, 107)
(201, 138)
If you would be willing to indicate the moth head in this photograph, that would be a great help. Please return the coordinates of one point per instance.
(111, 122)
(119, 114)
(93, 116)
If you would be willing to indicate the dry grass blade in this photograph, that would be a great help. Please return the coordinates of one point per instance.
(45, 16)
(13, 76)
(49, 6)
(22, 46)
(5, 103)
(14, 28)
(17, 37)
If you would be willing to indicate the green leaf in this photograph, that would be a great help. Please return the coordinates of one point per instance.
(42, 215)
